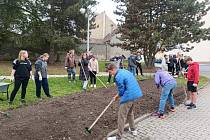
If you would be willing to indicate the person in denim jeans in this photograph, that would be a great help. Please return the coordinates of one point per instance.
(70, 65)
(168, 84)
(132, 64)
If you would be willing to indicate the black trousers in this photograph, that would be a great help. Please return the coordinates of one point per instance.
(44, 84)
(93, 77)
(171, 70)
(18, 83)
(109, 78)
(140, 68)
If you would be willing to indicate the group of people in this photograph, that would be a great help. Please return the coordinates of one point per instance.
(174, 64)
(129, 90)
(89, 68)
(22, 72)
(135, 63)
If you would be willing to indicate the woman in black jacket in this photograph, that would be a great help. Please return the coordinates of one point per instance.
(21, 73)
(84, 71)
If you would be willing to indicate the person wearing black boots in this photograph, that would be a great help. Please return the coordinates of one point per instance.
(21, 73)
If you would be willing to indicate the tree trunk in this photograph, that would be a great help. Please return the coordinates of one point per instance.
(52, 54)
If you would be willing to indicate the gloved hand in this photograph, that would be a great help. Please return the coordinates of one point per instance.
(195, 85)
(158, 86)
(12, 79)
(32, 78)
(40, 78)
(116, 97)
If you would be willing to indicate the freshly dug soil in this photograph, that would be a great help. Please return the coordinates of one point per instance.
(65, 118)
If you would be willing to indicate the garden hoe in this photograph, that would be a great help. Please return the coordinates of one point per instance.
(90, 128)
(99, 80)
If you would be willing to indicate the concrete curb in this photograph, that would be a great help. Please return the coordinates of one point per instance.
(204, 85)
(146, 116)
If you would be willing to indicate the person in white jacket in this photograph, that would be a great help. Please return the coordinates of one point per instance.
(160, 60)
(93, 69)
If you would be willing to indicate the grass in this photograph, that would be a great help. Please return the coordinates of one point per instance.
(56, 69)
(58, 87)
(181, 81)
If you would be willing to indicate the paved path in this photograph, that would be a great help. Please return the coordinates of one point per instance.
(183, 124)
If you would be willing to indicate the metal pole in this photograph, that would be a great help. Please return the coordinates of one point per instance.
(99, 79)
(88, 34)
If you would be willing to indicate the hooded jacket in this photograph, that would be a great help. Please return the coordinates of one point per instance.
(193, 72)
(128, 86)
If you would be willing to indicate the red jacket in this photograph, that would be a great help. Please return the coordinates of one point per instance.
(193, 72)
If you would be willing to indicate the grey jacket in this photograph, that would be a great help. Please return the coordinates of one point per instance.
(41, 66)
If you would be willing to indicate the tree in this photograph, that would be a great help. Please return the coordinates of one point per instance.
(45, 25)
(168, 23)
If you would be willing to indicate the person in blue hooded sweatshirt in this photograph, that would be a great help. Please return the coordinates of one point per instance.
(128, 92)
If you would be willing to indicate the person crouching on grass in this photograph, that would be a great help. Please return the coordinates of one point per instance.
(168, 84)
(84, 71)
(128, 92)
(94, 69)
(192, 81)
(21, 73)
(41, 76)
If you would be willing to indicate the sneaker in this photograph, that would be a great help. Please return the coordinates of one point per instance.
(10, 103)
(161, 116)
(133, 132)
(175, 76)
(172, 109)
(187, 102)
(114, 138)
(50, 96)
(91, 85)
(192, 106)
(94, 86)
(23, 101)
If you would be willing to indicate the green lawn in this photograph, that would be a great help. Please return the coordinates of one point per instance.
(57, 69)
(181, 81)
(58, 87)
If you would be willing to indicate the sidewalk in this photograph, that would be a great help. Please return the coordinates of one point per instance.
(60, 76)
(182, 125)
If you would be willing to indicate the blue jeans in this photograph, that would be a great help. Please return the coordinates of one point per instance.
(167, 93)
(132, 70)
(71, 71)
(44, 85)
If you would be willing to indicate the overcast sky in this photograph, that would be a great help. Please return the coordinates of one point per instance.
(109, 6)
(201, 51)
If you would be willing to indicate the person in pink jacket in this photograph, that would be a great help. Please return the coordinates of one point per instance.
(93, 69)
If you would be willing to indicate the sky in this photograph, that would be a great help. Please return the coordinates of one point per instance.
(201, 51)
(108, 6)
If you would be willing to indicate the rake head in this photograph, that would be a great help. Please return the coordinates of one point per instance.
(88, 130)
